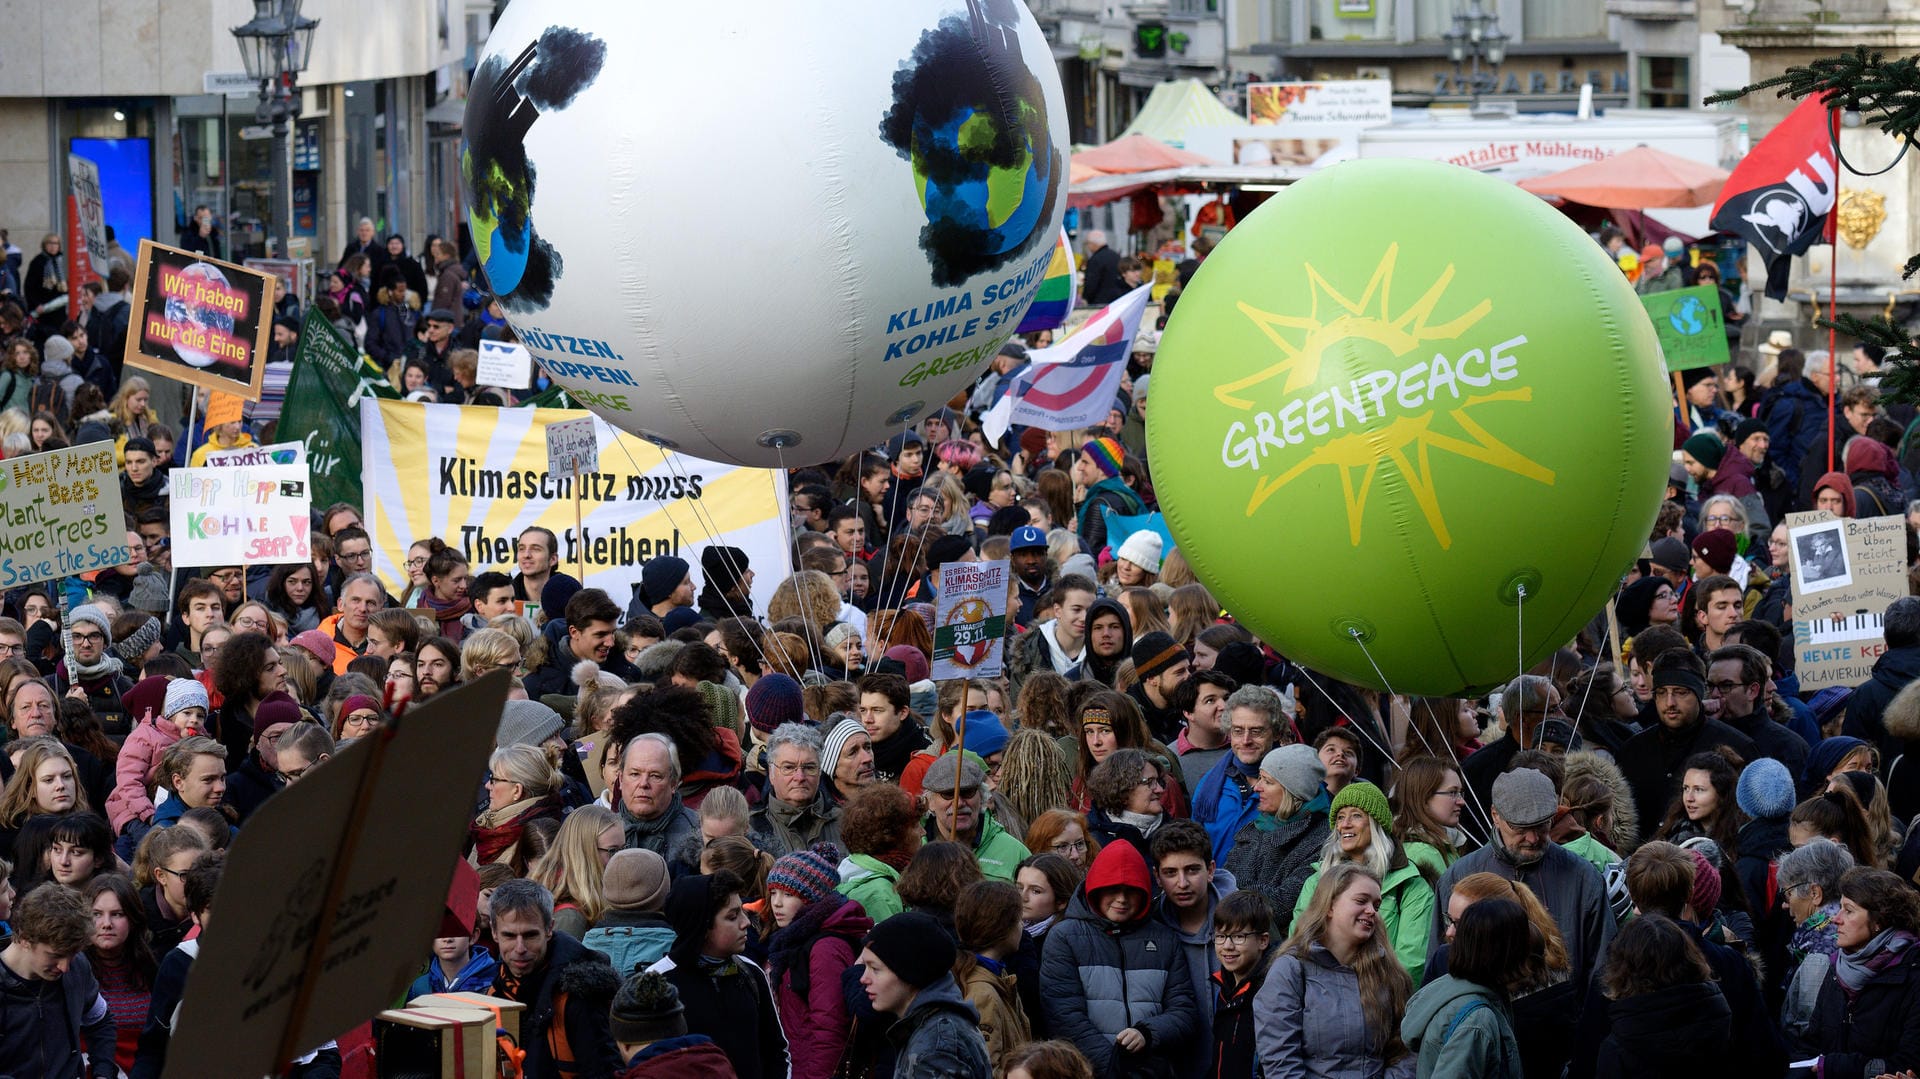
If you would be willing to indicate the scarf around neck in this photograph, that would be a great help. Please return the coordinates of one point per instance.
(108, 666)
(1853, 969)
(497, 831)
(651, 834)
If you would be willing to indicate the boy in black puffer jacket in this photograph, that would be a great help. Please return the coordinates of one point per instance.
(1242, 939)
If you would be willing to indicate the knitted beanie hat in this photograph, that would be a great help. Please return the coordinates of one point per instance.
(773, 700)
(914, 946)
(810, 874)
(647, 1009)
(1367, 798)
(1107, 453)
(636, 879)
(527, 723)
(182, 694)
(1765, 790)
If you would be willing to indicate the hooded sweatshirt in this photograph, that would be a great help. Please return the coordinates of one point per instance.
(1842, 484)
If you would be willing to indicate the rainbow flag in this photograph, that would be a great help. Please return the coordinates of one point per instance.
(1053, 301)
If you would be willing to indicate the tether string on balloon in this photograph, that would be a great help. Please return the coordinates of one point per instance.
(668, 513)
(1451, 756)
(1520, 647)
(1352, 723)
(799, 581)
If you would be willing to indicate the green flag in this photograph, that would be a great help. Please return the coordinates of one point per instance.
(323, 407)
(1688, 321)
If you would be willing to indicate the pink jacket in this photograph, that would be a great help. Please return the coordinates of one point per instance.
(817, 1024)
(136, 770)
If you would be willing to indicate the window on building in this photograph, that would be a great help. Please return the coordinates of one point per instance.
(1544, 20)
(1351, 20)
(1194, 8)
(1666, 82)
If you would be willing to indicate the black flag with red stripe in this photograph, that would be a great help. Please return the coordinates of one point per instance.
(1780, 197)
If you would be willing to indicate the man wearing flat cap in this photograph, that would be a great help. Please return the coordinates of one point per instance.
(1523, 810)
(965, 820)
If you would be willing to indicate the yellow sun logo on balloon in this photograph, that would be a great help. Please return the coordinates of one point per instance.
(1407, 442)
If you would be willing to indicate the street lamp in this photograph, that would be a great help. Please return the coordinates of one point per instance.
(275, 46)
(1476, 35)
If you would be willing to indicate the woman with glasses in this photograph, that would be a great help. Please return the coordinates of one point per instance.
(1107, 722)
(1427, 803)
(1128, 791)
(159, 871)
(522, 786)
(1065, 833)
(417, 556)
(1809, 885)
(573, 868)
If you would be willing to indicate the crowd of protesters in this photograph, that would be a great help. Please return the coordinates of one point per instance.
(716, 840)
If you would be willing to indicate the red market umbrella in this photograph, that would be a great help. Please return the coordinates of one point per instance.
(1638, 179)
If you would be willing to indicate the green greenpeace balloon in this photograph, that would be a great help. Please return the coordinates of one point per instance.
(1410, 425)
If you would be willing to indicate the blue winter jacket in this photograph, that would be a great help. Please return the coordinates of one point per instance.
(1222, 806)
(475, 977)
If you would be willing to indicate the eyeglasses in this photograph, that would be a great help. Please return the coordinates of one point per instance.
(1721, 519)
(293, 775)
(1155, 782)
(1455, 793)
(12, 649)
(355, 556)
(608, 852)
(791, 770)
(1238, 940)
(1722, 688)
(159, 869)
(412, 563)
(1077, 846)
(89, 638)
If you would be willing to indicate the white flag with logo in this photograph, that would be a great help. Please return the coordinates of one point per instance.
(1074, 383)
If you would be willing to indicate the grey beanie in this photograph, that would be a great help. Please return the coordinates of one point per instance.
(527, 723)
(1295, 767)
(94, 613)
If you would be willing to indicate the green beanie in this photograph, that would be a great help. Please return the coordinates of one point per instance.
(1705, 448)
(1367, 798)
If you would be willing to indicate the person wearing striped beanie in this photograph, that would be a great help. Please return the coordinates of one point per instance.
(818, 937)
(846, 757)
(1098, 469)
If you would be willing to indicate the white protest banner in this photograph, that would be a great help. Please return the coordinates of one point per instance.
(486, 481)
(232, 516)
(1073, 384)
(1845, 573)
(62, 514)
(279, 453)
(505, 364)
(326, 908)
(572, 446)
(970, 620)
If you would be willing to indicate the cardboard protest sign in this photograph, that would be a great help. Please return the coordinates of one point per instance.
(1845, 573)
(478, 476)
(504, 364)
(233, 516)
(572, 447)
(223, 408)
(970, 621)
(278, 453)
(326, 908)
(329, 378)
(60, 514)
(1691, 326)
(199, 320)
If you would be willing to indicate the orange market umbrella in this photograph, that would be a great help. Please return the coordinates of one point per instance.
(1638, 179)
(1134, 153)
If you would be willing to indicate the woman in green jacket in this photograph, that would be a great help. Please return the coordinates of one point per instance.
(1363, 832)
(881, 828)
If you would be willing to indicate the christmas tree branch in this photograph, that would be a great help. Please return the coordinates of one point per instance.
(1886, 91)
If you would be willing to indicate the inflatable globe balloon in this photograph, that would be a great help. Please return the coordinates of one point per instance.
(782, 259)
(1410, 425)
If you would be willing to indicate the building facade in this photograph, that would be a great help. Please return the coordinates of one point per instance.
(154, 92)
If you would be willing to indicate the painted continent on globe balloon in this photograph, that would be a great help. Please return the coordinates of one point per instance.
(504, 102)
(970, 117)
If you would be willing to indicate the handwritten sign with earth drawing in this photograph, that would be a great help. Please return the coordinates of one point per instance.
(1689, 322)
